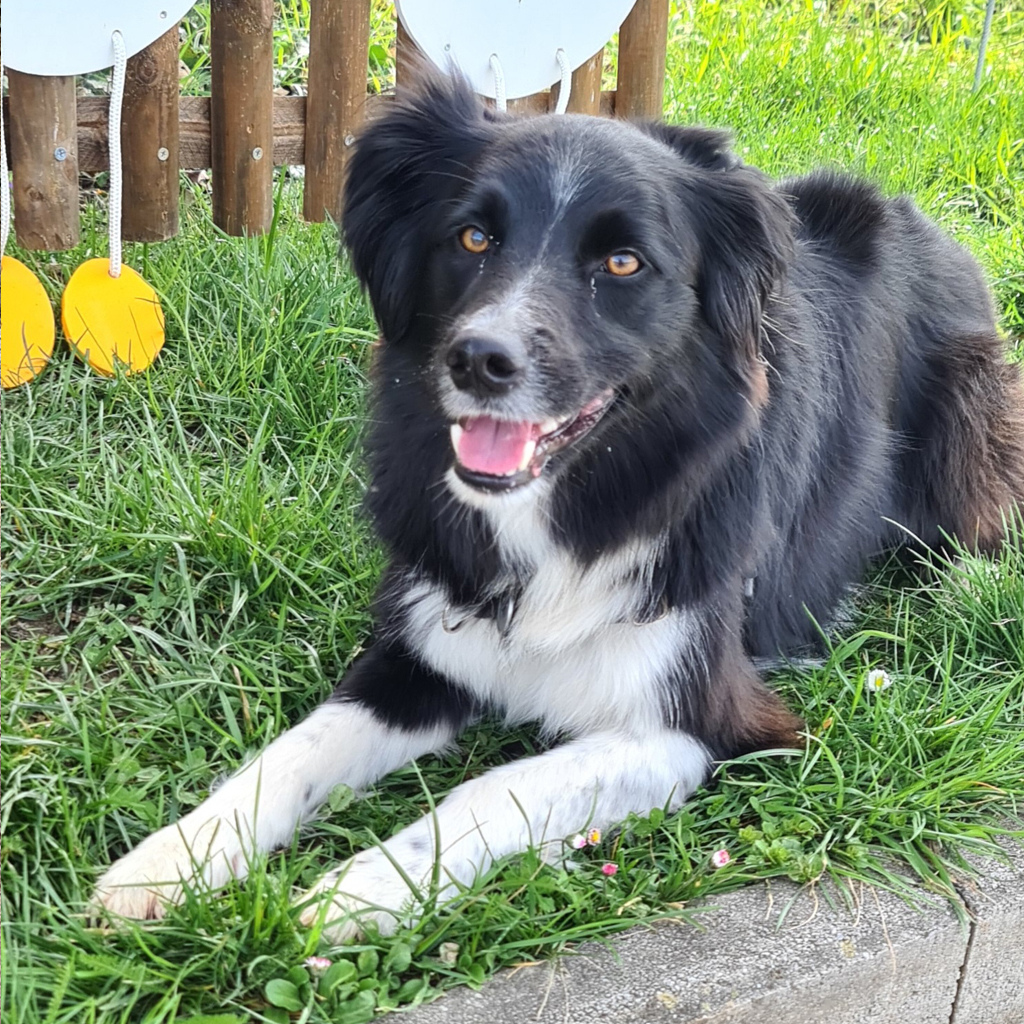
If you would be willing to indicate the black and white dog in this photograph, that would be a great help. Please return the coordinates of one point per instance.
(640, 414)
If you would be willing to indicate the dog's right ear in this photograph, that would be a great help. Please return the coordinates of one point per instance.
(407, 165)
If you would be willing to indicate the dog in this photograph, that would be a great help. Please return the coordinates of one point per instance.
(640, 415)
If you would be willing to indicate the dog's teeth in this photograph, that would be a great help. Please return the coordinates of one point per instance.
(528, 449)
(550, 426)
(456, 432)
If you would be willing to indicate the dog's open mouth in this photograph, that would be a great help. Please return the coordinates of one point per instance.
(498, 455)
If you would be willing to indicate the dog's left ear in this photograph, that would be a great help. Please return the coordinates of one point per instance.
(406, 168)
(745, 231)
(703, 147)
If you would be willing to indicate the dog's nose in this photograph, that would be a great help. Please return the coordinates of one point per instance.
(484, 366)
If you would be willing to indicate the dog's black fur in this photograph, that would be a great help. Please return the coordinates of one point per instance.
(797, 367)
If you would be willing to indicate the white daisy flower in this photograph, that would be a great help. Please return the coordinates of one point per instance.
(877, 680)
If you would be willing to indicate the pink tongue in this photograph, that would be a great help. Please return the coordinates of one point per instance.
(493, 446)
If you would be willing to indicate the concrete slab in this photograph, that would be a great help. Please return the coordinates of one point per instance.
(992, 978)
(818, 963)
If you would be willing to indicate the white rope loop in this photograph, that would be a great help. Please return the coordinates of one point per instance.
(565, 85)
(5, 197)
(500, 100)
(114, 142)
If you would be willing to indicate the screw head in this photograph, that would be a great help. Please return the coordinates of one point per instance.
(350, 140)
(257, 153)
(163, 153)
(60, 153)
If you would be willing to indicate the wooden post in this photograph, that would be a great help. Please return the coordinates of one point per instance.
(640, 90)
(405, 54)
(43, 127)
(535, 103)
(585, 96)
(339, 47)
(241, 114)
(149, 142)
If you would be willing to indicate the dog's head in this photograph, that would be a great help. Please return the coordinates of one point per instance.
(549, 281)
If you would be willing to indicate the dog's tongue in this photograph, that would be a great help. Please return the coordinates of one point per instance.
(493, 446)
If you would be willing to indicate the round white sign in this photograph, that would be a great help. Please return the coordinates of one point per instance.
(525, 34)
(72, 37)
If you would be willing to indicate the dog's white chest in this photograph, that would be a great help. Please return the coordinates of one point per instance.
(568, 650)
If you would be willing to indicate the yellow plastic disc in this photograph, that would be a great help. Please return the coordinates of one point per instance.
(26, 324)
(112, 320)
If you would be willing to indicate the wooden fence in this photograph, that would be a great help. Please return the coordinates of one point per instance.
(242, 131)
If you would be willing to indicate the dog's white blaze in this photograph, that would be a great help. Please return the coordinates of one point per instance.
(570, 177)
(260, 806)
(511, 317)
(593, 781)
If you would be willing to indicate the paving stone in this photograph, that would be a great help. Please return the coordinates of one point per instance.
(779, 954)
(992, 982)
(881, 963)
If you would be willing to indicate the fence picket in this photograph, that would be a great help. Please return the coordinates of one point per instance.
(241, 114)
(339, 42)
(585, 95)
(150, 144)
(640, 88)
(44, 159)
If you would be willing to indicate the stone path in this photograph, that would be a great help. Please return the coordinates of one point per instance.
(879, 963)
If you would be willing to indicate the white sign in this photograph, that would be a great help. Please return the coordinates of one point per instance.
(525, 34)
(72, 37)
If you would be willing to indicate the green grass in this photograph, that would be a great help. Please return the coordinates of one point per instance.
(185, 573)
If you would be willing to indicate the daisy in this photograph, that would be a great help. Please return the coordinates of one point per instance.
(720, 858)
(877, 680)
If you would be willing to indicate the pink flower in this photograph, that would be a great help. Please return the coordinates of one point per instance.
(593, 837)
(720, 858)
(609, 869)
(578, 842)
(317, 964)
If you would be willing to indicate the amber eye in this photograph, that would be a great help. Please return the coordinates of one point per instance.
(622, 264)
(474, 240)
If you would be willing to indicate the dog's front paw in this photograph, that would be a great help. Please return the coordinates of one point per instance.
(366, 890)
(144, 882)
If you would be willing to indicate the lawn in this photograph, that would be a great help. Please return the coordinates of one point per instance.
(186, 572)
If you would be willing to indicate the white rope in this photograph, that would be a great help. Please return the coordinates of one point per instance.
(565, 86)
(500, 101)
(5, 198)
(114, 143)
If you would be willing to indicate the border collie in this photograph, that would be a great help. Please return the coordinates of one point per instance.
(640, 415)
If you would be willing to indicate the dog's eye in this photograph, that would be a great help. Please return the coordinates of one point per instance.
(474, 240)
(622, 264)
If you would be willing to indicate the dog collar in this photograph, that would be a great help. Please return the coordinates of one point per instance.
(502, 608)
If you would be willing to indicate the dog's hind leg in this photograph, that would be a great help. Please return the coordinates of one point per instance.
(964, 470)
(347, 740)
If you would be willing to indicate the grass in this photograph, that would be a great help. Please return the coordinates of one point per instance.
(186, 572)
